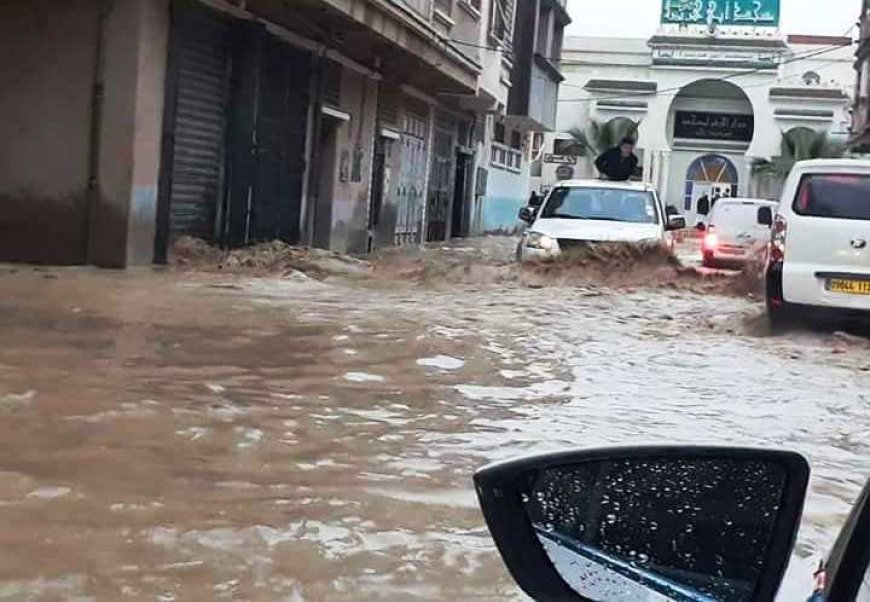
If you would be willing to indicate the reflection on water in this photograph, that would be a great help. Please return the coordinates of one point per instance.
(206, 438)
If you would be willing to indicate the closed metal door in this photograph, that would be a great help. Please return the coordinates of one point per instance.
(196, 124)
(412, 181)
(441, 186)
(279, 142)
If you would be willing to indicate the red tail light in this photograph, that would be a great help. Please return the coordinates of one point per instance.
(777, 239)
(711, 241)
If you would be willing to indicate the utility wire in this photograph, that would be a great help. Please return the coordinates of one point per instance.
(798, 56)
(508, 48)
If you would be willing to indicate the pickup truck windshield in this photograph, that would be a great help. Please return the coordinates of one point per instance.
(606, 204)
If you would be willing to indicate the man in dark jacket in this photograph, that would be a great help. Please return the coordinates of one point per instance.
(619, 162)
(704, 204)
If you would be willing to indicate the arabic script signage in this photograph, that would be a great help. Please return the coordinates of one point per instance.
(697, 125)
(737, 58)
(752, 13)
(560, 159)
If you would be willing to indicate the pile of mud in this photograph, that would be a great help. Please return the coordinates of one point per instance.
(274, 258)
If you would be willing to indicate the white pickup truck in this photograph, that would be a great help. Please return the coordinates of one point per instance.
(578, 212)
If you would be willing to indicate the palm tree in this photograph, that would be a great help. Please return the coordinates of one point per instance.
(599, 137)
(800, 144)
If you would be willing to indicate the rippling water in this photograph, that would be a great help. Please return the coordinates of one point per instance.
(180, 437)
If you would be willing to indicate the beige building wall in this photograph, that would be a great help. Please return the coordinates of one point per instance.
(359, 98)
(47, 60)
(135, 50)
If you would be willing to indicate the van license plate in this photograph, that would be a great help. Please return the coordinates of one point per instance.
(850, 287)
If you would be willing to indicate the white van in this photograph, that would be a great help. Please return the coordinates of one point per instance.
(819, 255)
(577, 212)
(733, 234)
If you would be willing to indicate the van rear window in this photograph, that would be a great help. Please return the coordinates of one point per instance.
(734, 214)
(834, 196)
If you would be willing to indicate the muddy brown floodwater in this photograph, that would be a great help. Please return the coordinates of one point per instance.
(193, 436)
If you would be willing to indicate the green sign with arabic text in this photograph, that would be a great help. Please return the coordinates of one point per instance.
(749, 13)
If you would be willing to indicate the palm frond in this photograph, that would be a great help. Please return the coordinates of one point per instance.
(600, 137)
(800, 144)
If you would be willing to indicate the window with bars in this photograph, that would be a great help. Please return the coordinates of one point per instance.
(504, 157)
(501, 27)
(499, 133)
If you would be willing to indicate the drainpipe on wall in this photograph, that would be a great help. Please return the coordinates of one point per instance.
(98, 95)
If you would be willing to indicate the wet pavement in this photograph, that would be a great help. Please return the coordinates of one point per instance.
(177, 436)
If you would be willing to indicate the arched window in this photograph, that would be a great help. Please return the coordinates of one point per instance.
(811, 78)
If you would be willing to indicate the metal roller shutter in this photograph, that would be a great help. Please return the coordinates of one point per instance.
(202, 64)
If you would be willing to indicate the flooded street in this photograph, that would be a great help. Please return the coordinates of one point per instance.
(178, 436)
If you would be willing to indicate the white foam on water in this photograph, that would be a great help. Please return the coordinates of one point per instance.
(363, 377)
(49, 493)
(441, 362)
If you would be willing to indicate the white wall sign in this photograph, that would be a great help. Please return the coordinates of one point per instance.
(560, 159)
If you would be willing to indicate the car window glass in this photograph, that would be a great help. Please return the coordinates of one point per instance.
(834, 196)
(735, 214)
(633, 206)
(704, 524)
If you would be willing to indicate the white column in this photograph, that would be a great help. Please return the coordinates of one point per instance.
(744, 187)
(666, 174)
(647, 166)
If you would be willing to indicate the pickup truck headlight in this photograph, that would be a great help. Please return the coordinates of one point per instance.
(536, 240)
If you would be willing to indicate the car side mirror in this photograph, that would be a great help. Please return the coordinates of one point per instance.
(682, 523)
(675, 222)
(527, 214)
(765, 216)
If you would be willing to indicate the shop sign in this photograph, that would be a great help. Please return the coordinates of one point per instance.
(698, 125)
(750, 13)
(560, 159)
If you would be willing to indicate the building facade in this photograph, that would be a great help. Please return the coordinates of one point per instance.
(712, 104)
(861, 107)
(345, 124)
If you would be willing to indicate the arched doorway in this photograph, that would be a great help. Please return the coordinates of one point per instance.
(712, 175)
(711, 126)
